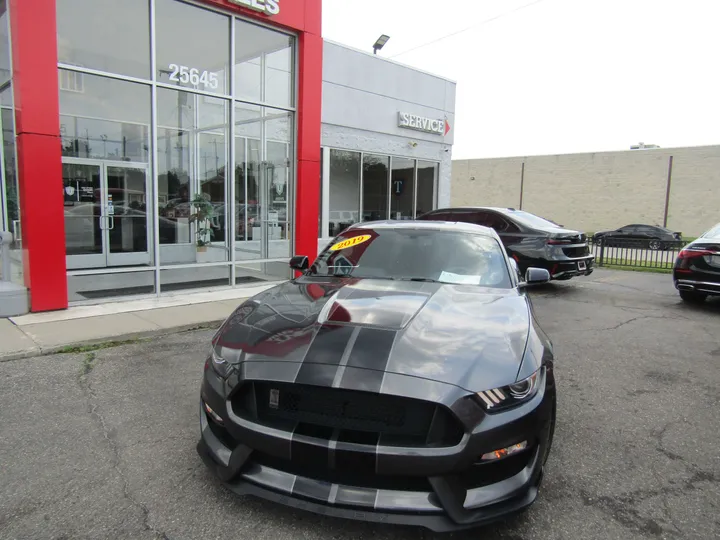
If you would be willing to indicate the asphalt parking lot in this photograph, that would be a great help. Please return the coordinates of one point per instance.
(102, 444)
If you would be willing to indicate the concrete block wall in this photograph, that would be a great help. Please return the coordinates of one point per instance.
(601, 190)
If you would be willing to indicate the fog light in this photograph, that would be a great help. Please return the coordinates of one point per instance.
(504, 452)
(215, 416)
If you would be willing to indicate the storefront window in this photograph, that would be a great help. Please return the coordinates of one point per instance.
(112, 177)
(263, 65)
(375, 187)
(105, 119)
(192, 46)
(402, 188)
(192, 160)
(344, 190)
(106, 35)
(9, 188)
(4, 43)
(262, 181)
(427, 176)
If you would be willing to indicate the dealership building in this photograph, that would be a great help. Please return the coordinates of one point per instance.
(122, 119)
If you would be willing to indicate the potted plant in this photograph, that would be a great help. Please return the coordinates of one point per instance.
(203, 212)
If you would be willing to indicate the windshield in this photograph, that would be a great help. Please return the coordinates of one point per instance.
(533, 220)
(713, 233)
(412, 254)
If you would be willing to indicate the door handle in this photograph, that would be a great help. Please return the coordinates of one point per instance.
(111, 222)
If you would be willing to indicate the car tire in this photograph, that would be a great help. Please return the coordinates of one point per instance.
(693, 297)
(654, 245)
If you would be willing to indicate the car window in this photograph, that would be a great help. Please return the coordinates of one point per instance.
(464, 216)
(436, 216)
(446, 256)
(532, 220)
(500, 224)
(713, 233)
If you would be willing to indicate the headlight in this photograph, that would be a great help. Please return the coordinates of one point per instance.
(217, 361)
(511, 395)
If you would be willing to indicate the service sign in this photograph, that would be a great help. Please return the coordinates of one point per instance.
(437, 126)
(269, 7)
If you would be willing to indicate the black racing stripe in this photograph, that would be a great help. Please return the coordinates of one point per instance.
(310, 446)
(348, 457)
(312, 489)
(371, 351)
(325, 351)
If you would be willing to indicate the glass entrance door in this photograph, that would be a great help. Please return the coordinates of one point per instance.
(106, 214)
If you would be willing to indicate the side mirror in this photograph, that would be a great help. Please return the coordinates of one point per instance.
(299, 262)
(534, 276)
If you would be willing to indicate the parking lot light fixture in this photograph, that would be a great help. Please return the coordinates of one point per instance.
(380, 43)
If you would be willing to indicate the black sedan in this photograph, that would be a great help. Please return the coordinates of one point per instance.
(402, 378)
(531, 240)
(639, 236)
(697, 268)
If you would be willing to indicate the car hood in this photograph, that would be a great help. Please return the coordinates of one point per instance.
(468, 336)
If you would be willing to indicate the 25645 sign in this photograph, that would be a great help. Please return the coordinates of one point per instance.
(194, 76)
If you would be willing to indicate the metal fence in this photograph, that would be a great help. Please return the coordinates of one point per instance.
(632, 253)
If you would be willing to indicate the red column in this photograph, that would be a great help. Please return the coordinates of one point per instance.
(37, 124)
(308, 144)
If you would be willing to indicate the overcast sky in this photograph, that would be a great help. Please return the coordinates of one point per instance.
(556, 76)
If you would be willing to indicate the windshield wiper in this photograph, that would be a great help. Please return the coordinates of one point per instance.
(420, 279)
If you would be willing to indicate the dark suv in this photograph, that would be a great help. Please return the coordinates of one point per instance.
(529, 239)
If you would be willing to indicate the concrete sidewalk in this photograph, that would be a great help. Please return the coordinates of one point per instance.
(45, 333)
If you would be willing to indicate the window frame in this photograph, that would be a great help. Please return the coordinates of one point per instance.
(325, 183)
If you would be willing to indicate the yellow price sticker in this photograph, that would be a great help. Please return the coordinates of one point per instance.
(350, 242)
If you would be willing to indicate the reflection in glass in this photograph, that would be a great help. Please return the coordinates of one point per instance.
(192, 160)
(128, 224)
(109, 119)
(427, 176)
(263, 65)
(193, 46)
(443, 256)
(402, 188)
(12, 193)
(106, 35)
(375, 187)
(262, 176)
(82, 196)
(344, 190)
(10, 199)
(320, 194)
(4, 43)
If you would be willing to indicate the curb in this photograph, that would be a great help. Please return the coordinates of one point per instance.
(112, 341)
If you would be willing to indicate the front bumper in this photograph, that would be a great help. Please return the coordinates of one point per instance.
(432, 482)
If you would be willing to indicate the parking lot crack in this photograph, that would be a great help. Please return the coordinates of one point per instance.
(109, 435)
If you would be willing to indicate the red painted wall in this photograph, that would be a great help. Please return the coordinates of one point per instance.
(35, 87)
(37, 124)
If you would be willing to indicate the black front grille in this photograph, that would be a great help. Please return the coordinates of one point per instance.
(358, 475)
(362, 415)
(579, 251)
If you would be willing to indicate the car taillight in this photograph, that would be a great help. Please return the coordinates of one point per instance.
(692, 253)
